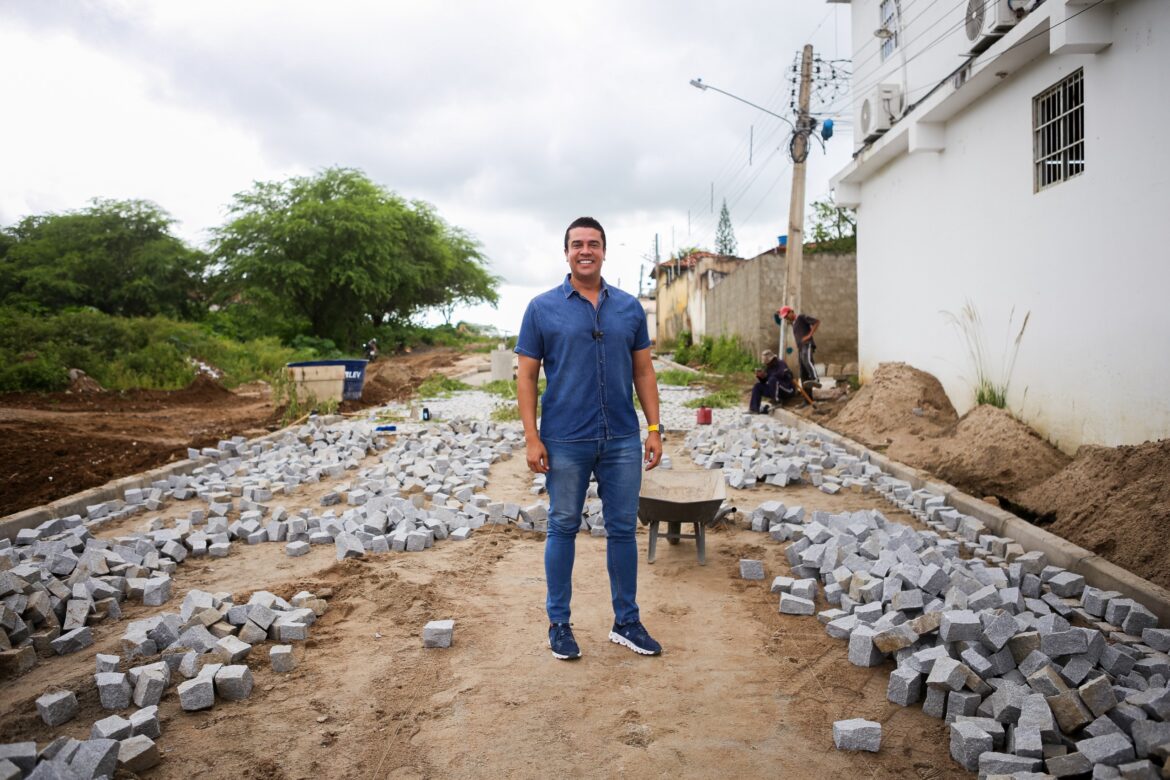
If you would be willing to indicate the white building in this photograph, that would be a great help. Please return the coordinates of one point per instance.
(1010, 155)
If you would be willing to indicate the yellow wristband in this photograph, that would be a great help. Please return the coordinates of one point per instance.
(652, 428)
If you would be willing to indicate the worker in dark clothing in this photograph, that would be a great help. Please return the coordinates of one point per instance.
(803, 328)
(775, 383)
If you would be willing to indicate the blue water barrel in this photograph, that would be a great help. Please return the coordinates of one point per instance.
(355, 375)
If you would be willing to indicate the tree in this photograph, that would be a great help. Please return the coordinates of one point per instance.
(725, 243)
(117, 256)
(342, 254)
(834, 227)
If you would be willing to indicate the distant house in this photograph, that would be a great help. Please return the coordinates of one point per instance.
(712, 295)
(680, 283)
(1009, 158)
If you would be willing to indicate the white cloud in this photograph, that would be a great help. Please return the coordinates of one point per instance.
(511, 117)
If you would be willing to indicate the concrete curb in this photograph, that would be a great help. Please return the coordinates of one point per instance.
(76, 504)
(1097, 571)
(671, 364)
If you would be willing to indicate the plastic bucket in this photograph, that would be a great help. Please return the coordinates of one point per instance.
(355, 375)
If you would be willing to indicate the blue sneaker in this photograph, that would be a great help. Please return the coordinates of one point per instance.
(560, 639)
(634, 636)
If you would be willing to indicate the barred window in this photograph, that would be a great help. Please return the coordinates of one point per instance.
(1058, 131)
(889, 23)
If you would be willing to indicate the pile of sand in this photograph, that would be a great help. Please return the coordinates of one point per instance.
(1114, 501)
(899, 402)
(990, 453)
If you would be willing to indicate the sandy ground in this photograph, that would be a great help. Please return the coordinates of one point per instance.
(740, 689)
(53, 445)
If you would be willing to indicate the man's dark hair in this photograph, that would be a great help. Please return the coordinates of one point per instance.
(585, 222)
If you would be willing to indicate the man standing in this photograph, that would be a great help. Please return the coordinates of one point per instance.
(774, 382)
(593, 342)
(803, 328)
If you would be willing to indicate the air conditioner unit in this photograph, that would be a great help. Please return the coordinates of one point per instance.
(1024, 6)
(881, 107)
(987, 20)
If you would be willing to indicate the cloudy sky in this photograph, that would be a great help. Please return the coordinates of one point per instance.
(512, 118)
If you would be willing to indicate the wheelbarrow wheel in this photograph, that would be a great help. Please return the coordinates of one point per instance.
(674, 529)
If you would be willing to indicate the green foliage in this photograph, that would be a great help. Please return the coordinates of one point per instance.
(723, 354)
(989, 386)
(506, 413)
(725, 243)
(504, 388)
(117, 256)
(720, 399)
(834, 228)
(344, 255)
(726, 355)
(683, 349)
(678, 377)
(685, 251)
(123, 353)
(439, 386)
(296, 404)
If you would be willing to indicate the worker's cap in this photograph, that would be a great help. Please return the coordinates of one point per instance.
(767, 355)
(785, 311)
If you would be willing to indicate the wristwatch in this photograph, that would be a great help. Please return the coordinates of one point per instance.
(652, 428)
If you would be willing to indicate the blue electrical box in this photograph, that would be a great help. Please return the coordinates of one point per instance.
(827, 129)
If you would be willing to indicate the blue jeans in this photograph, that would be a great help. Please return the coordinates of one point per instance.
(617, 463)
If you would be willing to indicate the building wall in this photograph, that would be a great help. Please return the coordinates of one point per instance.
(742, 303)
(1085, 258)
(933, 40)
(672, 308)
(680, 302)
(650, 306)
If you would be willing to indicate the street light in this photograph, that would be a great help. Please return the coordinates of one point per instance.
(698, 83)
(794, 252)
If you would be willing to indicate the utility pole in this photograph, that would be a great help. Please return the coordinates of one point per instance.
(794, 252)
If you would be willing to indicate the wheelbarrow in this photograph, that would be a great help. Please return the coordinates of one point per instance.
(675, 498)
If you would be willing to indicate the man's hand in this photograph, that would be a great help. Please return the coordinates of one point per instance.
(537, 456)
(653, 454)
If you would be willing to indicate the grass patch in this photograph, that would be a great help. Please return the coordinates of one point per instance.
(720, 399)
(989, 386)
(439, 386)
(724, 354)
(507, 413)
(677, 377)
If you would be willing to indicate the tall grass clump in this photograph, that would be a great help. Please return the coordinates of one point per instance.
(989, 385)
(439, 386)
(724, 354)
(677, 377)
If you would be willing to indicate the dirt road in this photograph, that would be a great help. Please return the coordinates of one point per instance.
(53, 445)
(740, 691)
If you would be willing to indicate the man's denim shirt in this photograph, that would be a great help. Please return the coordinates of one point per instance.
(588, 361)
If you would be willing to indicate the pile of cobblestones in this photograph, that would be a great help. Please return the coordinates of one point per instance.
(1034, 671)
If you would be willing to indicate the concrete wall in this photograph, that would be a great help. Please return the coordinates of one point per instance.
(650, 306)
(1085, 257)
(741, 304)
(680, 302)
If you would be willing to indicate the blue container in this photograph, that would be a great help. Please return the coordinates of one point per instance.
(355, 375)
